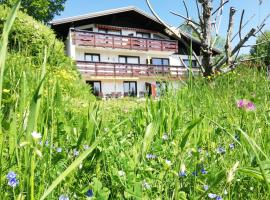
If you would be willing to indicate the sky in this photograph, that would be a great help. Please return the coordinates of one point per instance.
(163, 8)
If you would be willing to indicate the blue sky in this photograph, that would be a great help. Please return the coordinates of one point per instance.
(79, 7)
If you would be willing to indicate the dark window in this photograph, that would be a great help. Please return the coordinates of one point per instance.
(160, 61)
(187, 63)
(155, 36)
(89, 29)
(129, 59)
(130, 88)
(92, 57)
(143, 35)
(95, 87)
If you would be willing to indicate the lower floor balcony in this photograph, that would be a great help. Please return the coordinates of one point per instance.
(106, 69)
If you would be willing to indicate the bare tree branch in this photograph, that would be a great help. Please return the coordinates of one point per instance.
(229, 35)
(220, 7)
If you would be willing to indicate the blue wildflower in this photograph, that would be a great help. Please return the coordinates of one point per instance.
(47, 143)
(182, 173)
(63, 197)
(150, 156)
(212, 196)
(75, 152)
(59, 150)
(205, 187)
(231, 146)
(12, 179)
(89, 193)
(204, 171)
(221, 150)
(219, 198)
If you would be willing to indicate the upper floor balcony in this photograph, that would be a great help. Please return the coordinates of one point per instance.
(106, 69)
(93, 39)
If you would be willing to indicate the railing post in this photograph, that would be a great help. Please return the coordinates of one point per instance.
(161, 45)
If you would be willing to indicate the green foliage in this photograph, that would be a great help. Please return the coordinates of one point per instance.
(262, 49)
(41, 10)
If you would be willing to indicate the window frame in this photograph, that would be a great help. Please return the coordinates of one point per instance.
(192, 62)
(162, 60)
(143, 33)
(91, 54)
(136, 88)
(126, 59)
(93, 87)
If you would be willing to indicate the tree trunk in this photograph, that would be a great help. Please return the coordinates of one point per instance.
(206, 34)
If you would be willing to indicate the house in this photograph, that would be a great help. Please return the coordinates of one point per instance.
(125, 52)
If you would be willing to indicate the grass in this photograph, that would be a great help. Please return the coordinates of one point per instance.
(194, 143)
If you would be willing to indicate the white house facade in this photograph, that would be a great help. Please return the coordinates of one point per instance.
(125, 52)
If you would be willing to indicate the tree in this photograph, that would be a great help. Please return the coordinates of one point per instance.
(42, 10)
(262, 49)
(207, 28)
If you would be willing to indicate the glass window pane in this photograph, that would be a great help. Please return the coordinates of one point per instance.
(165, 61)
(122, 59)
(157, 61)
(146, 35)
(114, 32)
(88, 57)
(139, 35)
(95, 58)
(97, 87)
(133, 60)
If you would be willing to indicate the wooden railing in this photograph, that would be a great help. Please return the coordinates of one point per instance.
(132, 70)
(91, 39)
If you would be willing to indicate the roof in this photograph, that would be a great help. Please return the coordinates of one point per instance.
(100, 14)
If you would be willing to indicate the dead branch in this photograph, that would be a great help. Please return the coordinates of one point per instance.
(220, 7)
(229, 34)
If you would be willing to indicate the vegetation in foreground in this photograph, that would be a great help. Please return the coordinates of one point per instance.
(208, 140)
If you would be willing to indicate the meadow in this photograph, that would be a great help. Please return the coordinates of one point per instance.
(208, 140)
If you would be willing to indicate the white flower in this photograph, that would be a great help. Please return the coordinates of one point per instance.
(165, 137)
(36, 135)
(121, 173)
(146, 185)
(168, 162)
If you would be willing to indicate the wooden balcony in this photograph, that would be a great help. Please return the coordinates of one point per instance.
(91, 39)
(132, 70)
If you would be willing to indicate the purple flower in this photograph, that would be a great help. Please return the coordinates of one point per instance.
(212, 196)
(231, 146)
(150, 156)
(219, 198)
(246, 104)
(205, 187)
(89, 193)
(12, 179)
(221, 150)
(59, 150)
(204, 171)
(63, 197)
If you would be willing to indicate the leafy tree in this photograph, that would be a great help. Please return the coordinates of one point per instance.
(42, 10)
(262, 48)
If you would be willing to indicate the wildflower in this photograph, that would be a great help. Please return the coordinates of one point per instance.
(36, 135)
(168, 162)
(59, 150)
(205, 187)
(204, 171)
(85, 147)
(182, 172)
(150, 156)
(231, 146)
(165, 137)
(47, 143)
(63, 197)
(89, 193)
(246, 104)
(121, 173)
(75, 152)
(12, 179)
(212, 196)
(146, 185)
(221, 150)
(219, 198)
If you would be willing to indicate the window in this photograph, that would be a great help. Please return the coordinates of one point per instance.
(108, 31)
(92, 57)
(143, 35)
(155, 36)
(187, 63)
(130, 88)
(95, 87)
(160, 61)
(129, 59)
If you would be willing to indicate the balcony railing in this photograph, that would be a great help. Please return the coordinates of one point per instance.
(91, 39)
(132, 70)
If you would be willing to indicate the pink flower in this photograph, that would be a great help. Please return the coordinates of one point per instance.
(246, 105)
